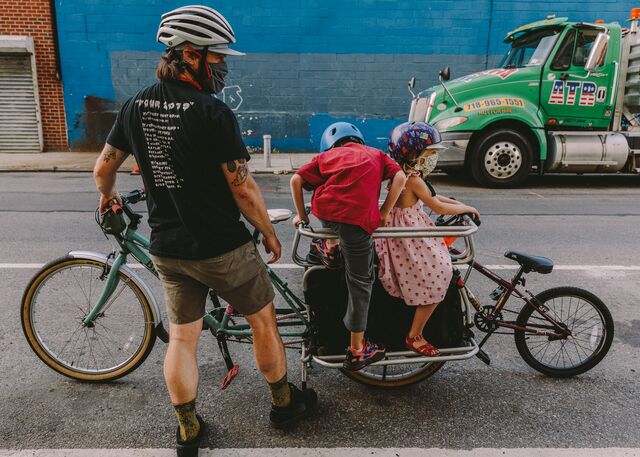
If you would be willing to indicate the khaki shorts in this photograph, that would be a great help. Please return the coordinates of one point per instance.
(238, 277)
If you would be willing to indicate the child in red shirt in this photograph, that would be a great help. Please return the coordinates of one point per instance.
(346, 182)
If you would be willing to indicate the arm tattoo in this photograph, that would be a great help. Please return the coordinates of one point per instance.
(242, 172)
(231, 166)
(109, 153)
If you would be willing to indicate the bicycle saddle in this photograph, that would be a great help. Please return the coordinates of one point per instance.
(278, 215)
(531, 262)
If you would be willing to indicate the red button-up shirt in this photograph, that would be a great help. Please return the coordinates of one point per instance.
(346, 183)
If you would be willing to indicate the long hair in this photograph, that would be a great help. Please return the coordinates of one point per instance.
(171, 66)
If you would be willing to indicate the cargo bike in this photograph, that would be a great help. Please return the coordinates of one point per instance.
(92, 317)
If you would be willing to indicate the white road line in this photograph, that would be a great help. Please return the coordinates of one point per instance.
(292, 266)
(333, 452)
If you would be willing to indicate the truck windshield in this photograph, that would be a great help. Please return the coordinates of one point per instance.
(530, 49)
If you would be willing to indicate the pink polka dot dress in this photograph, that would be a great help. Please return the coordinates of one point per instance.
(418, 270)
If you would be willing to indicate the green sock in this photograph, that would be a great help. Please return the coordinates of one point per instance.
(280, 392)
(189, 425)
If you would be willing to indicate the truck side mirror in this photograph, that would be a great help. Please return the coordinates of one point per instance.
(445, 74)
(598, 50)
(410, 86)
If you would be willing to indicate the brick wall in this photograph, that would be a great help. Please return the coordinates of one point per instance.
(33, 18)
(308, 63)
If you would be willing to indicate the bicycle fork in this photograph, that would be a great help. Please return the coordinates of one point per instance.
(112, 281)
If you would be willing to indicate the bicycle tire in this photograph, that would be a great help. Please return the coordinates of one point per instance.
(523, 339)
(29, 306)
(365, 377)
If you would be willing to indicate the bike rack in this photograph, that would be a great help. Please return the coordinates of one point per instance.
(458, 231)
(465, 232)
(407, 357)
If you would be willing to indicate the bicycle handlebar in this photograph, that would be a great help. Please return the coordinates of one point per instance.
(461, 231)
(135, 196)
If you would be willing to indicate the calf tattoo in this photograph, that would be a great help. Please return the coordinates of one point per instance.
(109, 153)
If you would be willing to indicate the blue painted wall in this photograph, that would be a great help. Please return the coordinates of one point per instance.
(308, 64)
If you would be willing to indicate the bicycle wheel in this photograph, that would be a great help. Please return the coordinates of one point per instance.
(54, 305)
(589, 321)
(392, 376)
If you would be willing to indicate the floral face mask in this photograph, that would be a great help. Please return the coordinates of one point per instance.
(424, 164)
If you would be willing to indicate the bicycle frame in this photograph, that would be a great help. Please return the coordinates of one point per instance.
(510, 288)
(134, 244)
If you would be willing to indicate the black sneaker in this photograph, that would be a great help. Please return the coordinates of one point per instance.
(302, 404)
(357, 360)
(315, 252)
(190, 448)
(330, 256)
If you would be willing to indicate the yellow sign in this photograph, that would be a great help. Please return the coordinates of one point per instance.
(495, 102)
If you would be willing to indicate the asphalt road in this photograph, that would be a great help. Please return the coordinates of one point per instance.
(575, 220)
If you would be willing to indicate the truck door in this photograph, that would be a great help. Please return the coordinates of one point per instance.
(566, 93)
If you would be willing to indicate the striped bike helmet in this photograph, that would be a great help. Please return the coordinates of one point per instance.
(199, 26)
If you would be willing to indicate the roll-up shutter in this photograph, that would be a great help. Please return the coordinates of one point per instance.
(19, 120)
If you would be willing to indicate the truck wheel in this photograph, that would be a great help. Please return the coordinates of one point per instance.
(501, 158)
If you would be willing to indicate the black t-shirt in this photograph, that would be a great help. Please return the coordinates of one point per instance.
(180, 137)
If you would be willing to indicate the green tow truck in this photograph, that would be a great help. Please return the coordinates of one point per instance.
(564, 99)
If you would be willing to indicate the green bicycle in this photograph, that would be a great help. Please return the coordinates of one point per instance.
(91, 317)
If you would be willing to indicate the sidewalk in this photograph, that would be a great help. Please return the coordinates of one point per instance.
(83, 162)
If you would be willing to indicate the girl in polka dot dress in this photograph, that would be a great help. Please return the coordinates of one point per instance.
(418, 270)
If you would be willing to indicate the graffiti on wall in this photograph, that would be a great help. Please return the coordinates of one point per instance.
(231, 96)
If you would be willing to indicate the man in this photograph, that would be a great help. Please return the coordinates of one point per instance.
(194, 166)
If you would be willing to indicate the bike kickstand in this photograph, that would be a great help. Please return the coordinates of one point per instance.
(482, 355)
(232, 369)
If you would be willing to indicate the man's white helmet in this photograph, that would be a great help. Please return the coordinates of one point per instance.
(198, 25)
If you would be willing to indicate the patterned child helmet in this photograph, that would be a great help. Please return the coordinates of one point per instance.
(338, 132)
(410, 139)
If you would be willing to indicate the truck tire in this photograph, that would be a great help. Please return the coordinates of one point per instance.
(501, 158)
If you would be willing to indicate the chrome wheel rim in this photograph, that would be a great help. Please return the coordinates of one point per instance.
(503, 160)
(63, 300)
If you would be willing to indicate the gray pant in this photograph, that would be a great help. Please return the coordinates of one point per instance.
(357, 251)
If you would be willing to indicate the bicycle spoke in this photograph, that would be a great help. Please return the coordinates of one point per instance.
(80, 286)
(67, 343)
(574, 320)
(91, 347)
(106, 329)
(567, 352)
(107, 348)
(543, 346)
(72, 300)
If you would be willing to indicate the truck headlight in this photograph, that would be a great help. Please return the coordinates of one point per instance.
(445, 124)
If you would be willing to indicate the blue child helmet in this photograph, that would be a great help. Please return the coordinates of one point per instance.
(338, 132)
(411, 138)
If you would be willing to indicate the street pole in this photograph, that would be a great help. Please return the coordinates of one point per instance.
(267, 150)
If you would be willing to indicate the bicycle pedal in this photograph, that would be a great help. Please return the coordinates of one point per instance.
(484, 357)
(231, 374)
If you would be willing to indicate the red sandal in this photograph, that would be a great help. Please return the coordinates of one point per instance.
(427, 348)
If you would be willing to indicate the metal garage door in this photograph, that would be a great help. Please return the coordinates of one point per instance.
(19, 123)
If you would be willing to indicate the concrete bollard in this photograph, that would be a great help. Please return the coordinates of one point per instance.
(267, 150)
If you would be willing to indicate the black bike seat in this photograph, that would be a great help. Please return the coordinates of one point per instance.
(531, 262)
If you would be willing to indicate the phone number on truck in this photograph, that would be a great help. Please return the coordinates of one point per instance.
(495, 102)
